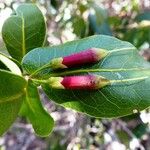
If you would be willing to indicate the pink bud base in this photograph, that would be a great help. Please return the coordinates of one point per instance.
(79, 82)
(84, 57)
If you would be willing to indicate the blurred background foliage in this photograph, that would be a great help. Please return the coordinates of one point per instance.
(74, 19)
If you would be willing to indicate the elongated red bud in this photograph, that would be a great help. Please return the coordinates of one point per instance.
(78, 82)
(88, 56)
(84, 82)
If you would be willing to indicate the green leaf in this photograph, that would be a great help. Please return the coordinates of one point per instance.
(79, 26)
(139, 33)
(140, 130)
(123, 137)
(110, 101)
(138, 36)
(9, 64)
(98, 21)
(11, 96)
(24, 30)
(143, 16)
(32, 108)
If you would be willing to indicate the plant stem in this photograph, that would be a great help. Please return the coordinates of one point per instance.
(41, 68)
(39, 82)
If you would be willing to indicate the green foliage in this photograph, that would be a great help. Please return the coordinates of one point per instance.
(32, 108)
(143, 16)
(136, 32)
(11, 94)
(124, 137)
(12, 90)
(24, 30)
(140, 130)
(7, 64)
(98, 20)
(21, 33)
(138, 35)
(79, 26)
(111, 101)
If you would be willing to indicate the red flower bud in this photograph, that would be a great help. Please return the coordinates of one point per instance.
(78, 82)
(88, 56)
(84, 82)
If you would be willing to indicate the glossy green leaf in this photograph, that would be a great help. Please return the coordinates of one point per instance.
(9, 64)
(110, 101)
(11, 96)
(24, 30)
(32, 108)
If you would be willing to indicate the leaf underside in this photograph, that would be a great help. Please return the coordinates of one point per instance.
(111, 101)
(8, 64)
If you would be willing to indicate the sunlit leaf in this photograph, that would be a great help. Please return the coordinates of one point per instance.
(9, 64)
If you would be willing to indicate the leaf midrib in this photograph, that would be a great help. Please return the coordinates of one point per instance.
(23, 37)
(20, 14)
(11, 98)
(99, 70)
(28, 100)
